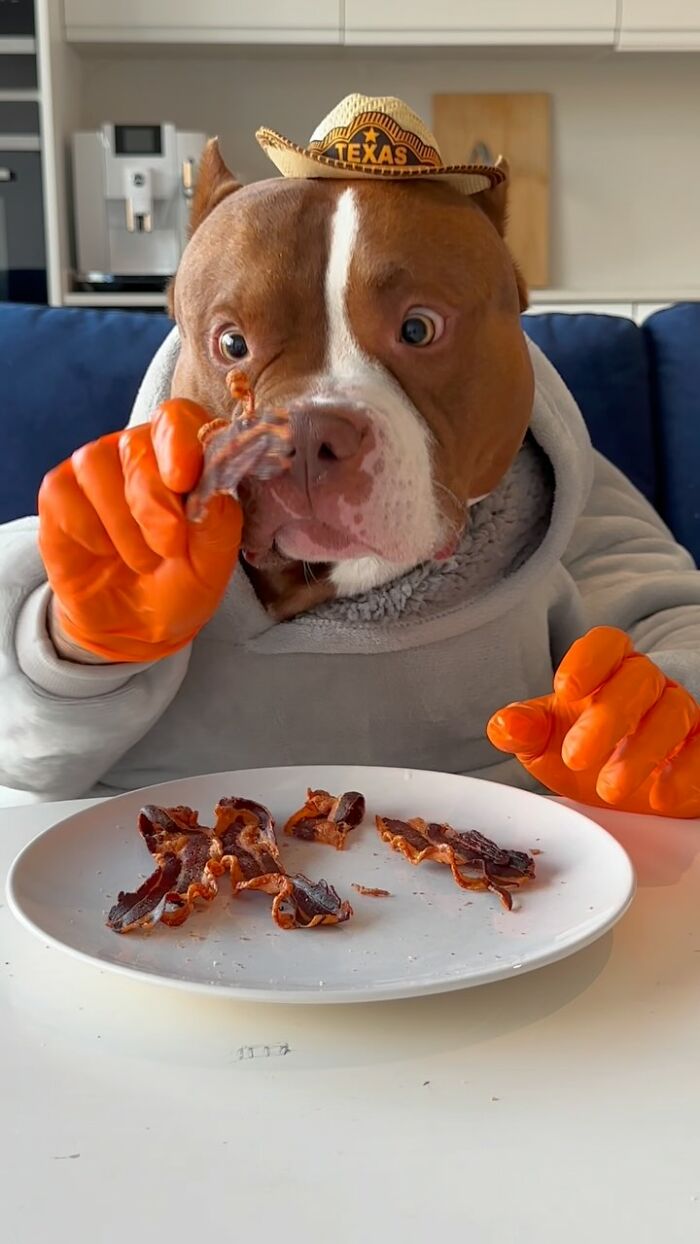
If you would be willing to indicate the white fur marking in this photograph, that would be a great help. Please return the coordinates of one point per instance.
(401, 517)
(343, 349)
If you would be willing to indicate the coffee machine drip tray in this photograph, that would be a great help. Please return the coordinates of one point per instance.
(103, 283)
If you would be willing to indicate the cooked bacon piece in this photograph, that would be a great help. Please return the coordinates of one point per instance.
(300, 903)
(182, 849)
(191, 858)
(490, 866)
(144, 907)
(371, 891)
(246, 836)
(327, 818)
(248, 444)
(249, 850)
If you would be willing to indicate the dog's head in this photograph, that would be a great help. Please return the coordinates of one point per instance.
(386, 319)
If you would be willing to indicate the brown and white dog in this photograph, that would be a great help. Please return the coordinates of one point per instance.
(386, 318)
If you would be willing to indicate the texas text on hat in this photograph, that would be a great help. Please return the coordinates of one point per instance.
(374, 137)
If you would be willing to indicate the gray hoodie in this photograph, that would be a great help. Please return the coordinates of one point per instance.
(407, 675)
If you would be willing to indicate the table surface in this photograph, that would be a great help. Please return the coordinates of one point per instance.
(558, 1106)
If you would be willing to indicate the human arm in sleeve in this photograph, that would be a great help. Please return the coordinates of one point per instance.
(622, 727)
(63, 724)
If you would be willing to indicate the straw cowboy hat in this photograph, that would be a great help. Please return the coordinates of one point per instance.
(367, 136)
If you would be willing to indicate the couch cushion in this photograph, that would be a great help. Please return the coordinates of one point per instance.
(673, 338)
(602, 359)
(71, 375)
(67, 377)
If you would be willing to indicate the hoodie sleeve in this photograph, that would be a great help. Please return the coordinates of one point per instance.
(631, 573)
(63, 725)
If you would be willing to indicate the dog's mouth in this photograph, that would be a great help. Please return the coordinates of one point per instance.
(303, 540)
(272, 537)
(314, 540)
(281, 523)
(330, 508)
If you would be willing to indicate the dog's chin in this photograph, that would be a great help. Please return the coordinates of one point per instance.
(310, 540)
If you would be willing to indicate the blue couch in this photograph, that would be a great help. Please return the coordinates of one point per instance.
(68, 376)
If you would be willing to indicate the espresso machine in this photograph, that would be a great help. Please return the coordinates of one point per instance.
(132, 187)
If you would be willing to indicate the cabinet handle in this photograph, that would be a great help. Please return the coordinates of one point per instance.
(6, 174)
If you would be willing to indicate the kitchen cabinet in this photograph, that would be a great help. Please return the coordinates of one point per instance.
(648, 25)
(205, 21)
(480, 22)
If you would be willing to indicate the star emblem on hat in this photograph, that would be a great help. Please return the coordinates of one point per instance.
(371, 136)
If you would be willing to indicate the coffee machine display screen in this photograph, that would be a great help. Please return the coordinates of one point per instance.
(138, 140)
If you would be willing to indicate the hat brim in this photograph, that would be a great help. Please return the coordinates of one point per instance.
(300, 162)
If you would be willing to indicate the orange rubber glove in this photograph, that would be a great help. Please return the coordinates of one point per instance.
(133, 580)
(615, 733)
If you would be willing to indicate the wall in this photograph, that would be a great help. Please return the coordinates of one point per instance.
(626, 149)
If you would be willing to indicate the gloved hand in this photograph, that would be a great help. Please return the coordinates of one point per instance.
(615, 733)
(133, 580)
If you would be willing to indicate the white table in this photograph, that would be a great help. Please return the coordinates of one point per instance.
(557, 1108)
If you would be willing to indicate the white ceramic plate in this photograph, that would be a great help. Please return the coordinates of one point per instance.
(428, 937)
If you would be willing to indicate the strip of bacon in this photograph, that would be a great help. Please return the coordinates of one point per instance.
(489, 866)
(247, 846)
(327, 818)
(250, 443)
(182, 849)
(249, 850)
(191, 859)
(300, 903)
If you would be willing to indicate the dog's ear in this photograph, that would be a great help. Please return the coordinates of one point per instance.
(494, 201)
(494, 204)
(215, 182)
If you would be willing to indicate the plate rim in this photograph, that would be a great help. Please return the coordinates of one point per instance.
(341, 996)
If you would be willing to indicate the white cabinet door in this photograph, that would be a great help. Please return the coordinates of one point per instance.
(480, 21)
(656, 26)
(203, 21)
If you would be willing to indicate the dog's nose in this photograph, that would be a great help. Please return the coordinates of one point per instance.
(324, 441)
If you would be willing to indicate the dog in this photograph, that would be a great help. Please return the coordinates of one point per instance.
(441, 541)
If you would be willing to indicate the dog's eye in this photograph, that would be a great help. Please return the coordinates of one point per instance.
(232, 345)
(421, 327)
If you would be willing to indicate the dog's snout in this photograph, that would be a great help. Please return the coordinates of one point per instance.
(325, 441)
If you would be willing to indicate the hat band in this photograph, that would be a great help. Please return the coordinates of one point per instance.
(374, 140)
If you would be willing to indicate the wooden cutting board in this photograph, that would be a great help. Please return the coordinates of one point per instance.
(479, 128)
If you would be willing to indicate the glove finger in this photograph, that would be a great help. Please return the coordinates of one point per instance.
(676, 791)
(660, 733)
(615, 712)
(215, 540)
(98, 471)
(523, 729)
(67, 519)
(591, 661)
(158, 512)
(174, 434)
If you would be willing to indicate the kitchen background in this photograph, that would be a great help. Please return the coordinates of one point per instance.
(622, 76)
